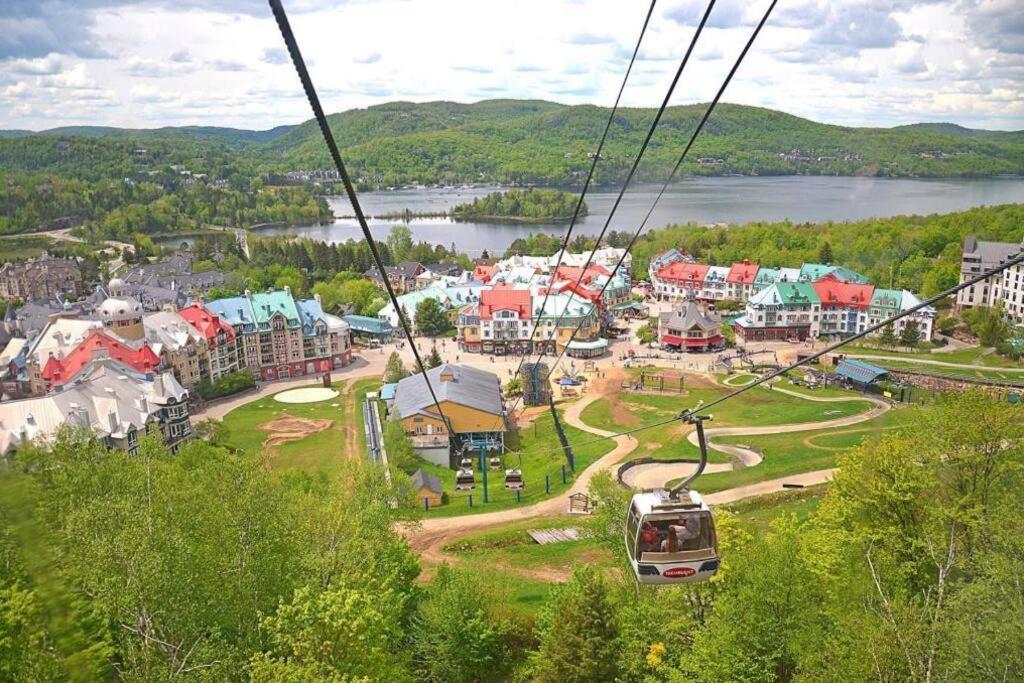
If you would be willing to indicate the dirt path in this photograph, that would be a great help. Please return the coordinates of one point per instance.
(428, 537)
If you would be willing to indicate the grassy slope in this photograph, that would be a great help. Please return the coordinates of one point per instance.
(315, 452)
(541, 456)
(757, 408)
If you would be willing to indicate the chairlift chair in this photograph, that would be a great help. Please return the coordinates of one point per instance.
(464, 479)
(495, 463)
(670, 535)
(514, 479)
(466, 464)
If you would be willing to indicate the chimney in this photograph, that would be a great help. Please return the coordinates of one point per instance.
(288, 290)
(316, 297)
(248, 294)
(112, 421)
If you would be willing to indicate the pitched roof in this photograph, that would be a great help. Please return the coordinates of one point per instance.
(99, 343)
(835, 293)
(171, 330)
(265, 305)
(786, 293)
(716, 274)
(766, 276)
(208, 323)
(683, 271)
(368, 325)
(859, 371)
(687, 315)
(742, 273)
(234, 310)
(464, 385)
(108, 401)
(423, 480)
(504, 299)
(887, 298)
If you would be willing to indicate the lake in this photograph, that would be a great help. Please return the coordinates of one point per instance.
(701, 200)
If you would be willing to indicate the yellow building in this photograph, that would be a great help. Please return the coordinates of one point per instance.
(469, 413)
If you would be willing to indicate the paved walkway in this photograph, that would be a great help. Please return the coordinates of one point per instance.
(360, 367)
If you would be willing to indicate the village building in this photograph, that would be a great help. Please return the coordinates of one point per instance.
(558, 318)
(1006, 289)
(110, 400)
(690, 327)
(41, 279)
(221, 347)
(886, 303)
(278, 337)
(740, 280)
(471, 415)
(181, 347)
(785, 310)
(367, 331)
(98, 344)
(715, 286)
(676, 280)
(505, 321)
(59, 338)
(842, 304)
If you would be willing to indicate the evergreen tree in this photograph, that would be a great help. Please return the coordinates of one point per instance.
(431, 318)
(825, 252)
(888, 336)
(911, 334)
(394, 370)
(434, 359)
(578, 632)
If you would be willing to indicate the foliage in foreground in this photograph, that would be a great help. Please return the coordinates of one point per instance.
(209, 566)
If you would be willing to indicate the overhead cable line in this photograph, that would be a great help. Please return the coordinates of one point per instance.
(1014, 260)
(686, 150)
(635, 165)
(590, 175)
(332, 146)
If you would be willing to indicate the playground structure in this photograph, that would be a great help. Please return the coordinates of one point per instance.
(536, 387)
(658, 381)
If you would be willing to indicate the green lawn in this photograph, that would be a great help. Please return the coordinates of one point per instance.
(757, 407)
(541, 456)
(318, 451)
(526, 570)
(980, 372)
(970, 356)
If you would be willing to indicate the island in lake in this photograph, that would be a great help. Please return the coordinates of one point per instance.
(521, 206)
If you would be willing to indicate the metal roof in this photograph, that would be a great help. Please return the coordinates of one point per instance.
(859, 371)
(366, 324)
(459, 384)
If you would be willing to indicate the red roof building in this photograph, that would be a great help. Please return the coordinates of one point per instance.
(209, 324)
(742, 273)
(98, 343)
(683, 274)
(503, 299)
(484, 273)
(836, 294)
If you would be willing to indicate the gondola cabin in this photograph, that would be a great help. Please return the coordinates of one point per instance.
(671, 539)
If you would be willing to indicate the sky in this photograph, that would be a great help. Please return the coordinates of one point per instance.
(153, 63)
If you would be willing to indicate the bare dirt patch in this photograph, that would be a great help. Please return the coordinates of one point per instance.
(288, 428)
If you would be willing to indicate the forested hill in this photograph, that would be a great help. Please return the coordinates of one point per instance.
(528, 141)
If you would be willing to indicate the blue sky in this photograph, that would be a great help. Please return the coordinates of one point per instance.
(220, 62)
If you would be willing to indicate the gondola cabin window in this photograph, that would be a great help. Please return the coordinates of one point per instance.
(676, 536)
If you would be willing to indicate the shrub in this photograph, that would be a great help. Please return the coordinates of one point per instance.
(231, 383)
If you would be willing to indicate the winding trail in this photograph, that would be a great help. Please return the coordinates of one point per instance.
(655, 475)
(428, 537)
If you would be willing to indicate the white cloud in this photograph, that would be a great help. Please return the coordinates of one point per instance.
(222, 62)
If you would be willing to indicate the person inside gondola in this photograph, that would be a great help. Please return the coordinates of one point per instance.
(649, 541)
(671, 542)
